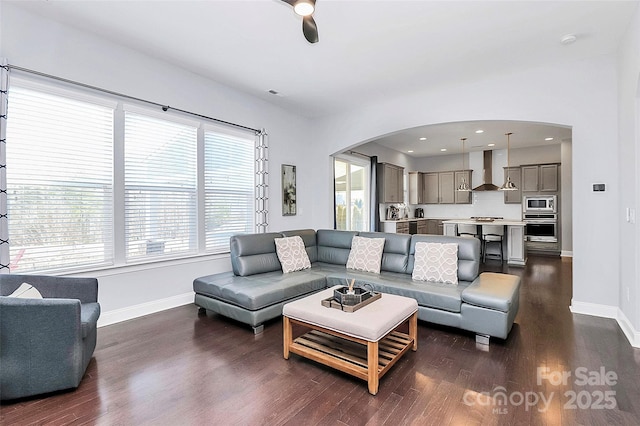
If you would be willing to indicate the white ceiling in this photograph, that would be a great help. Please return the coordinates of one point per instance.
(368, 49)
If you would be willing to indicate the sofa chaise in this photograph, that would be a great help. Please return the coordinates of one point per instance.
(256, 289)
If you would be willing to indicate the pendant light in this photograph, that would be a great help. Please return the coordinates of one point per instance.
(508, 185)
(464, 186)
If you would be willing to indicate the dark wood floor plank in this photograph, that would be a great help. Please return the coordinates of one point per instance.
(184, 367)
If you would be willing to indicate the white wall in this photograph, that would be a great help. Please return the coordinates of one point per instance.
(36, 43)
(628, 161)
(582, 95)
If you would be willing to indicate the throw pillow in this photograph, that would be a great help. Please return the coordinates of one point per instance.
(292, 254)
(436, 262)
(26, 291)
(365, 254)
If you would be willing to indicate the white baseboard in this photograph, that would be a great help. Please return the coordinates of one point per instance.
(597, 310)
(566, 253)
(136, 311)
(606, 311)
(627, 328)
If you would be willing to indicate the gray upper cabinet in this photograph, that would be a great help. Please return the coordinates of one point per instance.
(430, 191)
(390, 182)
(513, 197)
(446, 183)
(415, 188)
(440, 187)
(462, 197)
(540, 178)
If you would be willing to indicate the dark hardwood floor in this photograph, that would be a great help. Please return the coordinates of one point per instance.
(179, 367)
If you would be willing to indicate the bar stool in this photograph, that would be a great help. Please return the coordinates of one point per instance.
(492, 234)
(470, 231)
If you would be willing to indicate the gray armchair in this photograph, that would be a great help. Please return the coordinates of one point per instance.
(46, 344)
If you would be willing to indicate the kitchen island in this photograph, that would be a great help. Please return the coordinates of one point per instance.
(514, 236)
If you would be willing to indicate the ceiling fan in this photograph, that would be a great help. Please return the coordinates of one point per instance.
(305, 8)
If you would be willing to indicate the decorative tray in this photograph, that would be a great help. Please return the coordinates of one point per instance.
(484, 219)
(333, 303)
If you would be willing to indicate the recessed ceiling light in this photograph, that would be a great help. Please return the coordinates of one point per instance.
(423, 139)
(568, 39)
(443, 149)
(491, 144)
(480, 131)
(410, 151)
(548, 139)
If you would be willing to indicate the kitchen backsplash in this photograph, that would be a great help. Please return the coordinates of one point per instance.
(485, 203)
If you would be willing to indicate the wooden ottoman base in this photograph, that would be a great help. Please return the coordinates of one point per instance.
(358, 357)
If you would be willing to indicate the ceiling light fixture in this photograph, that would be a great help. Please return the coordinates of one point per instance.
(480, 131)
(548, 139)
(410, 151)
(508, 185)
(304, 7)
(568, 39)
(491, 144)
(443, 149)
(464, 186)
(423, 139)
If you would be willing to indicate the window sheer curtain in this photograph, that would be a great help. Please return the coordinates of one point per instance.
(5, 259)
(262, 182)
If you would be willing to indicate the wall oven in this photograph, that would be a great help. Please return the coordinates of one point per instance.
(541, 227)
(539, 203)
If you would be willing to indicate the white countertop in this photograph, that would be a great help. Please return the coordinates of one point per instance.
(512, 222)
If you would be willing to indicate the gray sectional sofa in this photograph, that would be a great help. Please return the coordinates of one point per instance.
(256, 289)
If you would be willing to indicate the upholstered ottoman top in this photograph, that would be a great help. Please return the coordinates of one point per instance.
(372, 322)
(493, 290)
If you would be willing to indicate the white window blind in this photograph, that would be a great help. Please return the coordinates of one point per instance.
(59, 181)
(229, 183)
(160, 187)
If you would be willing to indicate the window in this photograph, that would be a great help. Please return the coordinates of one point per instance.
(229, 186)
(93, 183)
(160, 186)
(59, 181)
(351, 183)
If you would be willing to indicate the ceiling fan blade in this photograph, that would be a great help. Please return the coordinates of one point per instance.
(310, 29)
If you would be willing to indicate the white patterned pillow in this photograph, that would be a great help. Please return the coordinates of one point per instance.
(436, 262)
(365, 254)
(292, 254)
(26, 291)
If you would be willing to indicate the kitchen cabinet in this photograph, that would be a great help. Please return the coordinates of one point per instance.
(422, 226)
(435, 227)
(390, 181)
(416, 188)
(395, 227)
(540, 178)
(440, 187)
(462, 197)
(513, 197)
(446, 186)
(430, 191)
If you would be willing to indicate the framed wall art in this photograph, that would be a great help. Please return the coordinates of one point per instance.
(288, 190)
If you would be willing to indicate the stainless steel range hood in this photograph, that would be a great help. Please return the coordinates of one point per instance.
(487, 173)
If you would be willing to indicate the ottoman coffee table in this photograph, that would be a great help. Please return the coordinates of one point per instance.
(364, 343)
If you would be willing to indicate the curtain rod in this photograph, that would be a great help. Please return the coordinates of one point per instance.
(99, 89)
(358, 153)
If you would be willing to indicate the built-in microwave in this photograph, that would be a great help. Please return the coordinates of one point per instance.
(539, 203)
